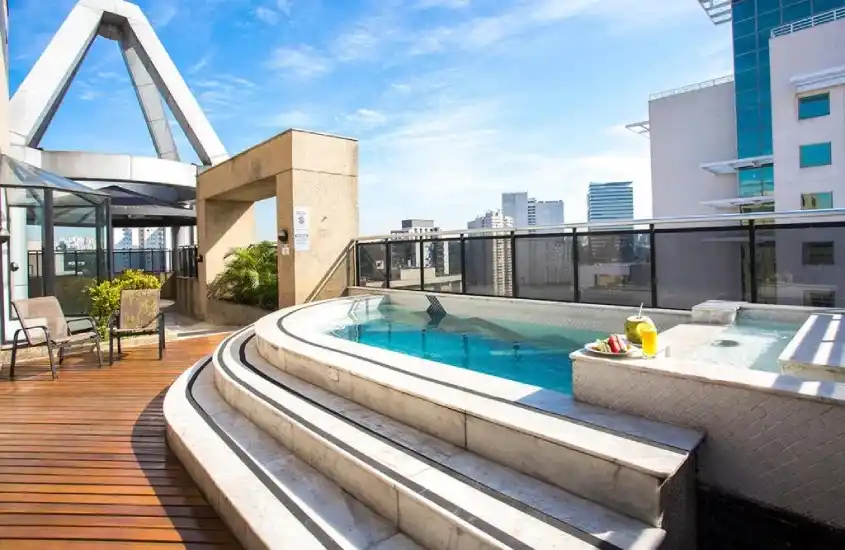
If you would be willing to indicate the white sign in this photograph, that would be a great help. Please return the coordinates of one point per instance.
(301, 229)
(285, 250)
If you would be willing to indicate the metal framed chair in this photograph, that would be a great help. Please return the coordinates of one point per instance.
(43, 323)
(140, 313)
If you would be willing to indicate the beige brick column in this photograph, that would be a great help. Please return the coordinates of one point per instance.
(322, 182)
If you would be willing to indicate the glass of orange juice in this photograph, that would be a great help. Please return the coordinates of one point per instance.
(648, 336)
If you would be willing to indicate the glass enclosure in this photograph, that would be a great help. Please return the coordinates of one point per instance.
(59, 239)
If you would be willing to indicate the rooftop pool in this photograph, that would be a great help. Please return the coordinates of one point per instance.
(532, 354)
(753, 344)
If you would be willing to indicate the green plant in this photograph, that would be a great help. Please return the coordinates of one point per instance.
(251, 277)
(105, 296)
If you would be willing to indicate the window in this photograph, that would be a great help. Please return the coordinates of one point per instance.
(817, 253)
(815, 154)
(820, 298)
(816, 201)
(813, 106)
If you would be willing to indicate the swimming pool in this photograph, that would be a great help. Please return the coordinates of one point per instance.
(529, 353)
(748, 344)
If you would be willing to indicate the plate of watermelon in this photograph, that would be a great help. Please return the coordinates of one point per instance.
(616, 345)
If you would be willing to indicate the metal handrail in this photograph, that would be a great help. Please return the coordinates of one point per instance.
(808, 22)
(692, 87)
(690, 221)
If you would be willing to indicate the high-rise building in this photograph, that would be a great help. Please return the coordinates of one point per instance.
(413, 256)
(489, 258)
(610, 201)
(766, 137)
(527, 211)
(545, 213)
(515, 206)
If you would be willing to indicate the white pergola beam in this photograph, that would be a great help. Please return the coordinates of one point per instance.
(32, 107)
(151, 101)
(151, 68)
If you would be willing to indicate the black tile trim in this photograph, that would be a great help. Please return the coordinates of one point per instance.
(421, 491)
(322, 536)
(585, 423)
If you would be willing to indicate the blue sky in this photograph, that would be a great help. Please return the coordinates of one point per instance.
(453, 101)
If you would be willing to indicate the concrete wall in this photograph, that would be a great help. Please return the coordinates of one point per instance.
(307, 171)
(322, 177)
(230, 314)
(771, 439)
(801, 53)
(688, 130)
(188, 296)
(797, 56)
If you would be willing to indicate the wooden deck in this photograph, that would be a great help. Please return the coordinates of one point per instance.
(84, 463)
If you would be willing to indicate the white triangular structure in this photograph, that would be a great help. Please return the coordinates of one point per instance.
(154, 76)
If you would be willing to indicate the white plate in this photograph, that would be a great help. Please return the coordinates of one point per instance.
(591, 347)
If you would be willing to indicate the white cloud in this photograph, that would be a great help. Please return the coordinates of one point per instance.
(453, 159)
(452, 4)
(284, 6)
(294, 118)
(163, 12)
(201, 63)
(302, 62)
(366, 118)
(266, 15)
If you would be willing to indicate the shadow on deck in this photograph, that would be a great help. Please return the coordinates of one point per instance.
(83, 459)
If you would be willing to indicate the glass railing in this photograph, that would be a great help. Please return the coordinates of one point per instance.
(787, 258)
(808, 22)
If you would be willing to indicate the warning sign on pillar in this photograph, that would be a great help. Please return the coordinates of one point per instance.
(301, 229)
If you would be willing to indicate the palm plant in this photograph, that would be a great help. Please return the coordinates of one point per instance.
(251, 276)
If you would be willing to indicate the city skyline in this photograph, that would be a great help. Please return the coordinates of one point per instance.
(436, 116)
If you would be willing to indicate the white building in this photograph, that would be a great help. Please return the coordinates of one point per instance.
(527, 211)
(154, 238)
(695, 162)
(740, 144)
(489, 256)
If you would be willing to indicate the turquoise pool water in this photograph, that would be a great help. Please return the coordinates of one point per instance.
(749, 344)
(527, 353)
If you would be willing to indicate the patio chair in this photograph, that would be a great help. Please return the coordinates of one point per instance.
(43, 323)
(139, 313)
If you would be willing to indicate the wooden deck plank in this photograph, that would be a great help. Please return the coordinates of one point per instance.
(84, 463)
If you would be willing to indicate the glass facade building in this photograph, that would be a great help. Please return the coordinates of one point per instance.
(610, 201)
(752, 22)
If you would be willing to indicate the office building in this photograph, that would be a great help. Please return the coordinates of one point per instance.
(768, 137)
(545, 213)
(490, 258)
(515, 206)
(527, 211)
(610, 201)
(409, 256)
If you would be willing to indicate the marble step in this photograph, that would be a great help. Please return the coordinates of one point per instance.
(648, 474)
(269, 498)
(438, 493)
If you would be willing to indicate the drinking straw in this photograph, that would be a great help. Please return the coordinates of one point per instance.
(640, 314)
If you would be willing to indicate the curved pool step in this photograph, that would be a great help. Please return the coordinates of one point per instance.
(269, 498)
(438, 493)
(643, 477)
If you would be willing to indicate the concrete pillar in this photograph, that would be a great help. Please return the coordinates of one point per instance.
(223, 225)
(312, 173)
(321, 183)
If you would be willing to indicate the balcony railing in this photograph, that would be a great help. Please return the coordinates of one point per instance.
(791, 258)
(83, 263)
(809, 22)
(692, 87)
